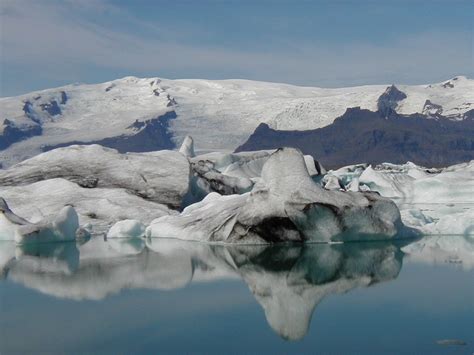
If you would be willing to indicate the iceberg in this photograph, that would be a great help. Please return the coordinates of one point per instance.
(413, 183)
(128, 228)
(62, 227)
(98, 207)
(435, 201)
(161, 177)
(284, 205)
(126, 237)
(232, 173)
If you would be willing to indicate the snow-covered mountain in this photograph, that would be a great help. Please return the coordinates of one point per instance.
(220, 114)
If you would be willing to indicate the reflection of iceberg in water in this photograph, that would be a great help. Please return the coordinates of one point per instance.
(456, 250)
(288, 281)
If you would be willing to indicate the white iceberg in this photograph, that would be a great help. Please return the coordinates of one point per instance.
(99, 207)
(435, 201)
(232, 173)
(128, 228)
(126, 237)
(415, 184)
(284, 205)
(62, 227)
(161, 177)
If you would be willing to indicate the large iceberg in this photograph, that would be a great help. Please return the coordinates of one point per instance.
(284, 205)
(161, 177)
(99, 207)
(106, 187)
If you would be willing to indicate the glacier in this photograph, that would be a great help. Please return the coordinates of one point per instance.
(125, 107)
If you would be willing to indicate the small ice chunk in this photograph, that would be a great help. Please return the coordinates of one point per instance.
(128, 228)
(353, 185)
(332, 183)
(61, 228)
(450, 342)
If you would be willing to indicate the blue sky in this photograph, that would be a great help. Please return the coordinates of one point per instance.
(46, 43)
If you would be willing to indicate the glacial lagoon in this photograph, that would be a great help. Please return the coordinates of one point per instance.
(171, 296)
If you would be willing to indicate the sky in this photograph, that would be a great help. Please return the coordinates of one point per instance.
(327, 43)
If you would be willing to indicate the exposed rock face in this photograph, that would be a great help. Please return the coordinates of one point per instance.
(366, 136)
(469, 115)
(147, 136)
(52, 108)
(432, 109)
(284, 205)
(129, 114)
(12, 133)
(388, 101)
(161, 177)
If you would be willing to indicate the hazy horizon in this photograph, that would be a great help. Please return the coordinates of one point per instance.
(323, 43)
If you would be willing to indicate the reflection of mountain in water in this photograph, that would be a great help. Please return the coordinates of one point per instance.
(288, 281)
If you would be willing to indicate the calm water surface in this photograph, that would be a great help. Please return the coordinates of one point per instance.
(132, 296)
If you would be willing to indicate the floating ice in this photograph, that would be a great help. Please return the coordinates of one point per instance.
(63, 227)
(436, 201)
(284, 205)
(99, 207)
(161, 177)
(128, 228)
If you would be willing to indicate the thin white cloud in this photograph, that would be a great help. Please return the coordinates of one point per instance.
(58, 38)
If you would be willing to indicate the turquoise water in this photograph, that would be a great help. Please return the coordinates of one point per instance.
(112, 297)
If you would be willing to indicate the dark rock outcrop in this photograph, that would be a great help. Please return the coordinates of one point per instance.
(147, 136)
(432, 109)
(12, 133)
(366, 136)
(388, 101)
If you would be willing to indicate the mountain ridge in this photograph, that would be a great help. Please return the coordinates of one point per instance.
(376, 137)
(219, 114)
